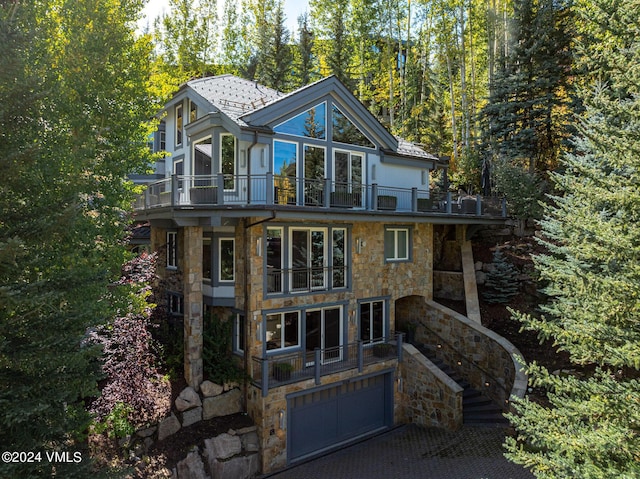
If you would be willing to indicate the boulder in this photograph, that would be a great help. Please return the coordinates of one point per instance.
(222, 447)
(191, 416)
(210, 389)
(240, 467)
(168, 426)
(188, 399)
(192, 467)
(223, 405)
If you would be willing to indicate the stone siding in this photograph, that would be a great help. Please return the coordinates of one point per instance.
(429, 397)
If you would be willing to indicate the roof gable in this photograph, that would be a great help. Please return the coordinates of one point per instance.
(299, 100)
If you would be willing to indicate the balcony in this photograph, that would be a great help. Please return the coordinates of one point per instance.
(281, 369)
(287, 192)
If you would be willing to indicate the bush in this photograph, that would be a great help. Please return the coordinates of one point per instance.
(218, 363)
(134, 392)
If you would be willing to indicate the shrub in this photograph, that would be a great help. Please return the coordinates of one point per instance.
(134, 392)
(218, 363)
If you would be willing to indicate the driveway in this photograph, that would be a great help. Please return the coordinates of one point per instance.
(413, 452)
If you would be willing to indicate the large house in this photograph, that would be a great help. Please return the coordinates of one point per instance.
(303, 220)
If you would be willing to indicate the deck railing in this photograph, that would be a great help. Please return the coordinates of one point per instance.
(269, 189)
(279, 369)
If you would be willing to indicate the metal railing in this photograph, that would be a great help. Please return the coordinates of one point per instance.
(320, 278)
(279, 369)
(270, 189)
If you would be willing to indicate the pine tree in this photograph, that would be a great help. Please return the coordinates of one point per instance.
(591, 426)
(525, 119)
(501, 283)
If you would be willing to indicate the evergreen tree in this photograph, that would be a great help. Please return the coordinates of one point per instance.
(501, 283)
(275, 70)
(73, 112)
(590, 428)
(304, 65)
(525, 119)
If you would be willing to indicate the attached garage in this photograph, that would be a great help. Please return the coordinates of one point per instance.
(331, 416)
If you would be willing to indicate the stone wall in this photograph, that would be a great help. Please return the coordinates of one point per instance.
(485, 359)
(429, 397)
(191, 407)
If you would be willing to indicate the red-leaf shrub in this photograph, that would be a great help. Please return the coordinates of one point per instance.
(129, 358)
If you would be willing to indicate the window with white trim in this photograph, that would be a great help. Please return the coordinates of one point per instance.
(226, 259)
(396, 244)
(228, 159)
(206, 259)
(239, 325)
(179, 125)
(172, 249)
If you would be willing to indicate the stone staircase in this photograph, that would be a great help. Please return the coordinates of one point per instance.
(477, 408)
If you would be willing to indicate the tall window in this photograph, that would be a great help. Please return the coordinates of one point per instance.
(172, 249)
(179, 125)
(308, 253)
(228, 160)
(372, 321)
(306, 259)
(226, 247)
(193, 111)
(396, 244)
(274, 260)
(202, 163)
(285, 170)
(283, 330)
(239, 325)
(206, 259)
(347, 168)
(314, 175)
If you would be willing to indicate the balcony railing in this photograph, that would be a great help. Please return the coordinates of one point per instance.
(277, 370)
(306, 279)
(270, 190)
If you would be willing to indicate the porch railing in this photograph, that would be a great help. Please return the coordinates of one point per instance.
(270, 189)
(279, 369)
(306, 279)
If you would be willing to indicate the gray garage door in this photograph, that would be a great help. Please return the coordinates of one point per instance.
(331, 416)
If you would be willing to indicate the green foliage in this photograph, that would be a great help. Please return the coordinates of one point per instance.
(73, 115)
(218, 363)
(590, 429)
(524, 191)
(502, 280)
(116, 424)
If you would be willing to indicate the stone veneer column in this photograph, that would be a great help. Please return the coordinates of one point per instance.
(193, 314)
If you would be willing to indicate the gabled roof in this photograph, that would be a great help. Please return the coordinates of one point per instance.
(250, 104)
(232, 95)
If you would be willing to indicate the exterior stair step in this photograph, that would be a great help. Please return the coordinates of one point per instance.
(477, 408)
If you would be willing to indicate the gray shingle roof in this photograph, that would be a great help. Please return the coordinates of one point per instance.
(232, 95)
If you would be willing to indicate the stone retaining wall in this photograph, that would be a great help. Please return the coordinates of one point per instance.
(485, 359)
(429, 396)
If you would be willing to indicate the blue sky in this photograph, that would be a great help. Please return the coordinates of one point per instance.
(292, 9)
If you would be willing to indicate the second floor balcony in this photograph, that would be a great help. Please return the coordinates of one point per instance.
(220, 190)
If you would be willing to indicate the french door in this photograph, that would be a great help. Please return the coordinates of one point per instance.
(324, 331)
